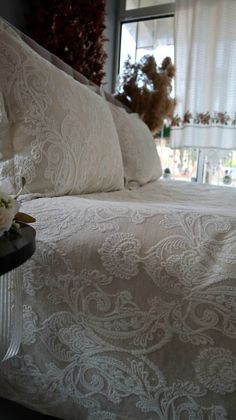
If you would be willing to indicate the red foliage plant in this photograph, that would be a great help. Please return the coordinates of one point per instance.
(72, 30)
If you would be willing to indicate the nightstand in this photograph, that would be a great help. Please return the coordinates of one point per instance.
(15, 249)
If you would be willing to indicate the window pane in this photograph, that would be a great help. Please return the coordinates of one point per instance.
(128, 43)
(136, 4)
(154, 37)
(131, 4)
(179, 164)
(220, 167)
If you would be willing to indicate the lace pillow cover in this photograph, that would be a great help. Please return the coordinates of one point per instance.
(63, 138)
(140, 158)
(5, 146)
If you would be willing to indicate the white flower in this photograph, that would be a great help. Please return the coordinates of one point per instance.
(5, 220)
(8, 208)
(6, 187)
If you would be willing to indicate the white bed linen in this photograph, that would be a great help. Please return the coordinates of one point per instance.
(130, 306)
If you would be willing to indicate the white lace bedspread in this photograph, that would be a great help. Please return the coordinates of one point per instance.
(130, 306)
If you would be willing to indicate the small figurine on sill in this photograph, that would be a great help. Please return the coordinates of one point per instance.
(167, 173)
(227, 178)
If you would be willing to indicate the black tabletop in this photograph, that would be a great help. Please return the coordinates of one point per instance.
(16, 248)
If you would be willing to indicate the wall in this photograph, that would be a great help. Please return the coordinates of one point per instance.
(14, 12)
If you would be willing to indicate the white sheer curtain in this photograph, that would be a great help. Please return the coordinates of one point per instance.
(205, 42)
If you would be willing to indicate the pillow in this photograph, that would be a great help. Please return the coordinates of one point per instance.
(59, 63)
(140, 158)
(63, 138)
(5, 145)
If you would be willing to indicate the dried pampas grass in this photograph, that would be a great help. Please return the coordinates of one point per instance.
(145, 88)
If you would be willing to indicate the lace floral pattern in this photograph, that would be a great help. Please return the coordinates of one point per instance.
(141, 161)
(216, 370)
(129, 311)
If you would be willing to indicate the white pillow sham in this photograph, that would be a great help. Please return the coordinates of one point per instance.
(140, 158)
(5, 144)
(63, 138)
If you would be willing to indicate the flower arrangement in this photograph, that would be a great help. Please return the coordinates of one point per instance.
(9, 206)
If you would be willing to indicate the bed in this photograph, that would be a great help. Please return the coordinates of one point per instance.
(129, 306)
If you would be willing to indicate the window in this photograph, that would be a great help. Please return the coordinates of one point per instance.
(152, 36)
(152, 33)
